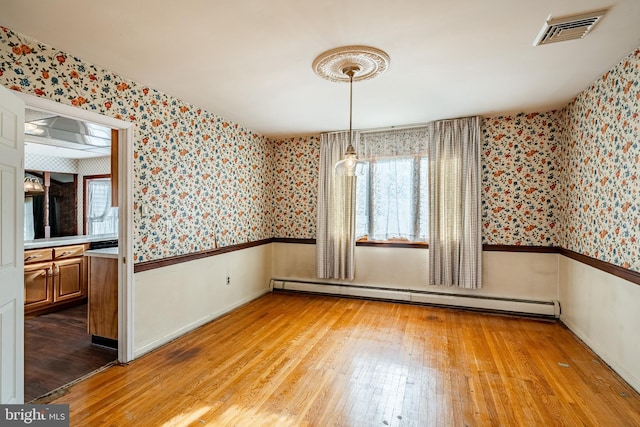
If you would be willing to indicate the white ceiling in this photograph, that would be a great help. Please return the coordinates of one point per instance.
(250, 61)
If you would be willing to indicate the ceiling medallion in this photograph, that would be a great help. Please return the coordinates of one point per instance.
(331, 64)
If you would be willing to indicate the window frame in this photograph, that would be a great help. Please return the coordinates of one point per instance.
(85, 193)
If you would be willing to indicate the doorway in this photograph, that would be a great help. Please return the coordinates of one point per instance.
(59, 351)
(123, 176)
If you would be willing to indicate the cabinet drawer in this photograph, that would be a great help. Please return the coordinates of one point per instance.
(38, 255)
(68, 251)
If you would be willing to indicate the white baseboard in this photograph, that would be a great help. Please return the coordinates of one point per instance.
(480, 302)
(618, 368)
(196, 324)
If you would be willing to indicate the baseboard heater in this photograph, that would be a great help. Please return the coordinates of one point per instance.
(473, 302)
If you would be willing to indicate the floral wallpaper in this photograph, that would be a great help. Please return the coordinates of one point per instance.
(295, 187)
(520, 179)
(563, 178)
(601, 168)
(203, 180)
(520, 182)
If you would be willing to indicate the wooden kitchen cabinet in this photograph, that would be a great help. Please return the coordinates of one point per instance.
(103, 294)
(54, 277)
(71, 279)
(38, 286)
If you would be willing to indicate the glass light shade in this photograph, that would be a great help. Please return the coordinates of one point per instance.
(28, 186)
(347, 166)
(33, 185)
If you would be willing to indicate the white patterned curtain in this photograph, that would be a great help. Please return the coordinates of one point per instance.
(101, 217)
(455, 239)
(29, 221)
(392, 196)
(335, 240)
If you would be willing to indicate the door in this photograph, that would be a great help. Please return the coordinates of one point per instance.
(11, 248)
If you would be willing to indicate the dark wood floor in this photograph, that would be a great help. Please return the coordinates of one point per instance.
(58, 351)
(307, 360)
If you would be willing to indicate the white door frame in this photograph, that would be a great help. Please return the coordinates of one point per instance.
(125, 210)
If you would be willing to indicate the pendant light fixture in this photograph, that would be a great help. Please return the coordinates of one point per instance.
(349, 64)
(348, 165)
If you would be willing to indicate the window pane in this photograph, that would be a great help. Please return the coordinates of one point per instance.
(362, 212)
(392, 200)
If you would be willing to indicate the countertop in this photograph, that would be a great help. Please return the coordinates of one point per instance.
(68, 240)
(103, 253)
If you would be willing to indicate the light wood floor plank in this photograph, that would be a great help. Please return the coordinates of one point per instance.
(308, 360)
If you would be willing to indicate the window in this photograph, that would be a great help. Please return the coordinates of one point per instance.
(100, 217)
(29, 225)
(392, 199)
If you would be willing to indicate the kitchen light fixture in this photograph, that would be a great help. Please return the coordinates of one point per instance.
(32, 185)
(349, 64)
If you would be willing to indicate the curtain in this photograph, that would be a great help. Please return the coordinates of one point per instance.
(54, 207)
(335, 240)
(455, 240)
(392, 197)
(38, 216)
(29, 223)
(101, 217)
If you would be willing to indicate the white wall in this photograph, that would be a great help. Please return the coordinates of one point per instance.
(604, 311)
(520, 275)
(173, 300)
(599, 308)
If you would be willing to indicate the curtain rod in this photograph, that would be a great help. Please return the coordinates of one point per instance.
(380, 129)
(385, 128)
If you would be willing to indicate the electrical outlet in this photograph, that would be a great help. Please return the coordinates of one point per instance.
(228, 280)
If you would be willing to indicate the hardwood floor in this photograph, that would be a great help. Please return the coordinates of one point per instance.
(291, 360)
(58, 351)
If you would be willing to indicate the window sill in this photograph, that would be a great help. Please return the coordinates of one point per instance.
(393, 244)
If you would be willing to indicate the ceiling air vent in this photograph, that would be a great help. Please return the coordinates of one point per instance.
(568, 27)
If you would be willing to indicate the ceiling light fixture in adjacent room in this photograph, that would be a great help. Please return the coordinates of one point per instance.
(32, 185)
(349, 64)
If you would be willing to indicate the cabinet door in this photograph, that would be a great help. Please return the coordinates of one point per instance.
(103, 297)
(38, 286)
(70, 279)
